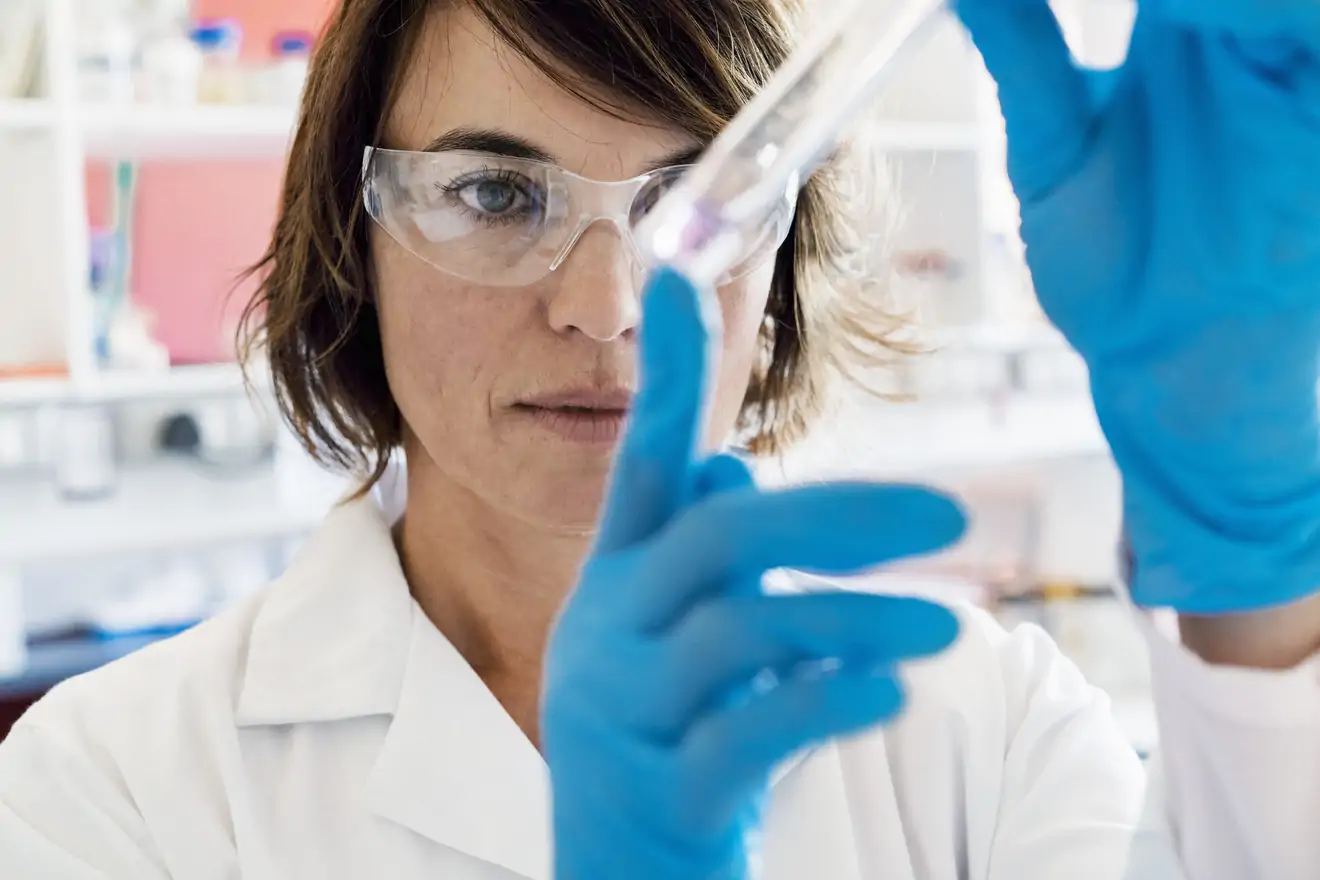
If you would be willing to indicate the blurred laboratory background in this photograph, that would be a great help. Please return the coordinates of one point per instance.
(144, 484)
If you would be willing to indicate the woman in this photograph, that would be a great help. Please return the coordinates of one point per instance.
(375, 711)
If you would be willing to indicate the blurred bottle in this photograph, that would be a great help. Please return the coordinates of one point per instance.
(107, 51)
(283, 81)
(221, 44)
(85, 453)
(171, 61)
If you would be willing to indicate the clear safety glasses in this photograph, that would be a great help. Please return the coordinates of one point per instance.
(509, 222)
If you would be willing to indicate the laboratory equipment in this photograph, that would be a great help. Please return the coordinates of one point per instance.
(775, 143)
(85, 466)
(106, 46)
(172, 65)
(221, 43)
(720, 207)
(284, 79)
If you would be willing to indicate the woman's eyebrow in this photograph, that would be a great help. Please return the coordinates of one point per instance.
(493, 141)
(503, 143)
(683, 156)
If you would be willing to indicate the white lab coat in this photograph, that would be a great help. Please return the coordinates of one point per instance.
(326, 730)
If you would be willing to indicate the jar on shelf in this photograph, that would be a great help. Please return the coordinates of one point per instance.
(172, 66)
(106, 47)
(221, 45)
(284, 79)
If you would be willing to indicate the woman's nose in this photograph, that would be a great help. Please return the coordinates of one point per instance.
(595, 288)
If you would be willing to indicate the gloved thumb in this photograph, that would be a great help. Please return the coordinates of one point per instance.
(1045, 97)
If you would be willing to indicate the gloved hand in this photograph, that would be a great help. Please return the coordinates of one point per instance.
(659, 723)
(1171, 212)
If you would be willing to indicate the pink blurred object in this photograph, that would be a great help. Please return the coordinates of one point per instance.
(200, 224)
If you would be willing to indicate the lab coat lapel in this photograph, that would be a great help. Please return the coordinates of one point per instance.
(455, 767)
(330, 639)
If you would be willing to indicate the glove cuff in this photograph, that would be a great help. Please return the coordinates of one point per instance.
(1221, 498)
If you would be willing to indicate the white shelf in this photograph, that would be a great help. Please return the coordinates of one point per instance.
(886, 440)
(32, 392)
(933, 137)
(202, 132)
(158, 508)
(26, 115)
(211, 380)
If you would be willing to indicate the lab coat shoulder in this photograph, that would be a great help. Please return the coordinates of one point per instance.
(73, 802)
(1006, 764)
(145, 694)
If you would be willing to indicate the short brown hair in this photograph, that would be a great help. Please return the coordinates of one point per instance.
(693, 65)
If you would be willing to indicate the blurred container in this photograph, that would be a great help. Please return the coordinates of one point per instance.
(85, 453)
(231, 431)
(282, 82)
(220, 42)
(17, 439)
(172, 66)
(106, 46)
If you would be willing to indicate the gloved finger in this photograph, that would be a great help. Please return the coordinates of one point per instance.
(652, 477)
(730, 750)
(1045, 97)
(722, 644)
(725, 473)
(835, 528)
(1246, 19)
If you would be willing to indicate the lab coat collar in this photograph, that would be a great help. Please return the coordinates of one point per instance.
(330, 641)
(457, 769)
(340, 637)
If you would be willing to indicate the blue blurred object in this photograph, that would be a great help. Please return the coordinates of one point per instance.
(218, 35)
(291, 43)
(673, 684)
(1171, 212)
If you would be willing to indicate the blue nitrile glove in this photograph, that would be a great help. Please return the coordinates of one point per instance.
(659, 725)
(1171, 212)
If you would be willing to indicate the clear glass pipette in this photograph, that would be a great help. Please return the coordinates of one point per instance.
(775, 143)
(781, 136)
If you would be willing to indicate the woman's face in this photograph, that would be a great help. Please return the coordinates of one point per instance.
(484, 375)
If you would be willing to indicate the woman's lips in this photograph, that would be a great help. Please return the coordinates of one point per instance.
(577, 424)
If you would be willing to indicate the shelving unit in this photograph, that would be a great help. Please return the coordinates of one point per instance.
(206, 380)
(164, 506)
(175, 503)
(77, 132)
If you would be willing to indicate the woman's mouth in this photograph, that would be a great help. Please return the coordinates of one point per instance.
(588, 426)
(586, 417)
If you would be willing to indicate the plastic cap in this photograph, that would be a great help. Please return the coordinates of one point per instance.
(218, 35)
(292, 43)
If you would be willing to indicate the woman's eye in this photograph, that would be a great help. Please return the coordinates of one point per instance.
(493, 197)
(651, 195)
